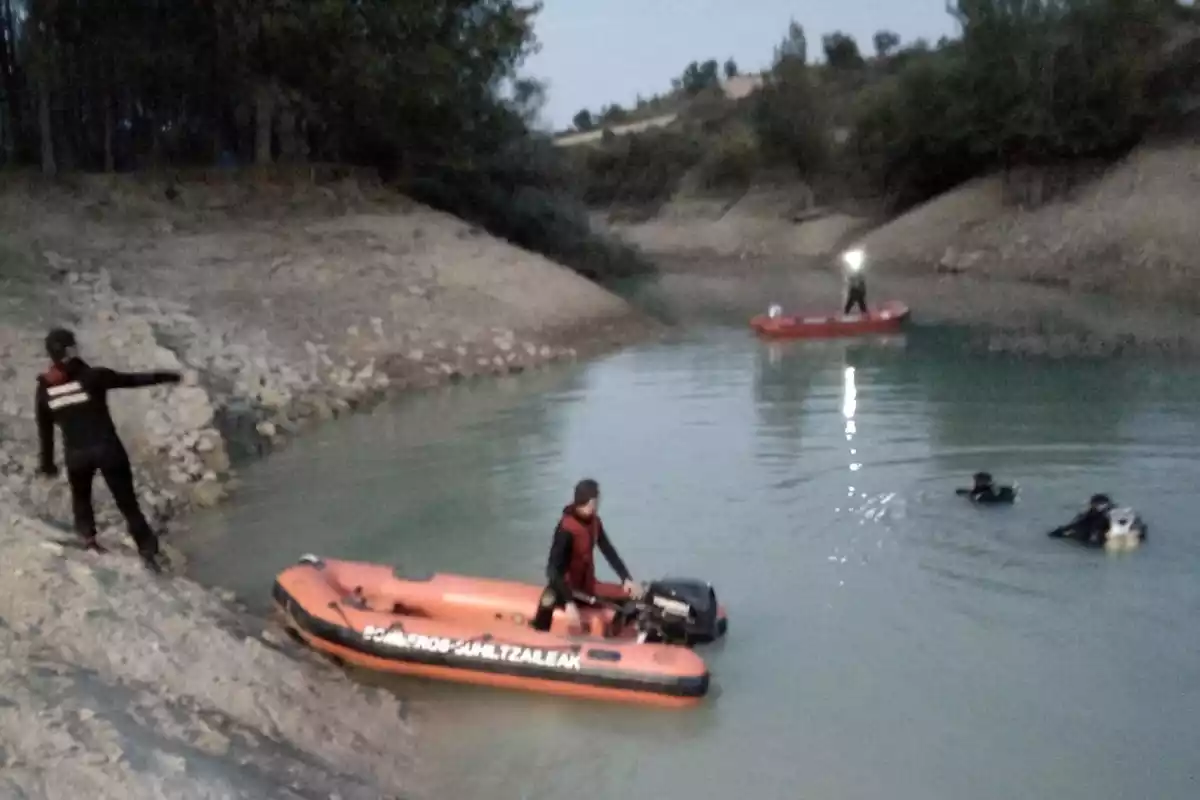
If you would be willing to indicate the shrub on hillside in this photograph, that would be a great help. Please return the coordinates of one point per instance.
(731, 161)
(525, 193)
(638, 169)
(912, 137)
(710, 110)
(789, 119)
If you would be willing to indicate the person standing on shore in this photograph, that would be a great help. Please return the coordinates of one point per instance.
(72, 394)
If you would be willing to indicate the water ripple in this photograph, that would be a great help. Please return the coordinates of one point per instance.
(908, 629)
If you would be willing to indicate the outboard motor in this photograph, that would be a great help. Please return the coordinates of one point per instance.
(678, 611)
(1125, 529)
(775, 311)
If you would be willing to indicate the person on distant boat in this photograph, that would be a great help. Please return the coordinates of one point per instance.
(571, 567)
(856, 282)
(1092, 526)
(986, 491)
(73, 395)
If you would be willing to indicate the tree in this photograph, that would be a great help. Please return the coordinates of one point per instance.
(415, 90)
(10, 110)
(789, 118)
(794, 45)
(1027, 84)
(613, 115)
(528, 100)
(583, 120)
(841, 51)
(731, 69)
(697, 77)
(885, 42)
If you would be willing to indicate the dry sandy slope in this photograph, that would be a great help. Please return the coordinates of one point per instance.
(334, 258)
(1131, 232)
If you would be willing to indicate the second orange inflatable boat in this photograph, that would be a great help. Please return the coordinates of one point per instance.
(476, 630)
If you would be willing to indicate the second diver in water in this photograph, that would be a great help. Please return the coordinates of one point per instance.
(1103, 524)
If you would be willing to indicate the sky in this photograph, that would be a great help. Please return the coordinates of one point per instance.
(595, 52)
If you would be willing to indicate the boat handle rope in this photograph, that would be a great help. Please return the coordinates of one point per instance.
(399, 626)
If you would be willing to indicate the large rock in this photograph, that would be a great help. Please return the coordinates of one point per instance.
(192, 409)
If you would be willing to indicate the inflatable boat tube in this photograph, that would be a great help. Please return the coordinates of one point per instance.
(477, 630)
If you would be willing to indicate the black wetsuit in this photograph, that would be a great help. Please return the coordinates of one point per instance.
(74, 396)
(1089, 528)
(856, 294)
(559, 563)
(991, 494)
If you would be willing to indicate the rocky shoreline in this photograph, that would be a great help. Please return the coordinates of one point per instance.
(242, 395)
(121, 684)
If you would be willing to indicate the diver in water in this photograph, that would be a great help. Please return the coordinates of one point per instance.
(73, 395)
(856, 282)
(1091, 526)
(986, 491)
(571, 567)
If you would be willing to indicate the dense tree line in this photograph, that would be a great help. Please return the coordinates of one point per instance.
(1028, 82)
(425, 90)
(109, 84)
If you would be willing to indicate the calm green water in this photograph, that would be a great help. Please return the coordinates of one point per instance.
(887, 640)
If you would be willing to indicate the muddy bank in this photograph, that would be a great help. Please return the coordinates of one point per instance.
(279, 315)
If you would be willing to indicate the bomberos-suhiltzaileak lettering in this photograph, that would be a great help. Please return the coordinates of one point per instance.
(484, 651)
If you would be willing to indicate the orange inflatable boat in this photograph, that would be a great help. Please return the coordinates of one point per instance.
(477, 630)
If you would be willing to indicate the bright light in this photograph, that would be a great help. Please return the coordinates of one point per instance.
(854, 259)
(849, 394)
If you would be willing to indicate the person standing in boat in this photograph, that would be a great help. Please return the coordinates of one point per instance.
(73, 395)
(856, 281)
(571, 567)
